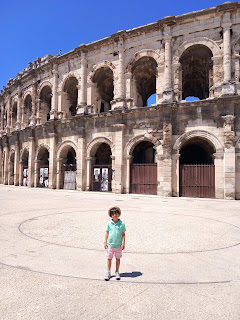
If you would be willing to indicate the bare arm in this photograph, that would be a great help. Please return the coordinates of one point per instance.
(123, 240)
(106, 237)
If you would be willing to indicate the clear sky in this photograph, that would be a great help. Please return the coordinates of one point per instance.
(31, 29)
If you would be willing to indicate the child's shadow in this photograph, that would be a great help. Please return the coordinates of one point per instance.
(133, 274)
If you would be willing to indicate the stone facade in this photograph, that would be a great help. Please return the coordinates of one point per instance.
(88, 107)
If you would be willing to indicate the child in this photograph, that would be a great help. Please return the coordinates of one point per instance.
(114, 240)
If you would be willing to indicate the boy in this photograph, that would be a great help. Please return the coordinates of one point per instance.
(114, 240)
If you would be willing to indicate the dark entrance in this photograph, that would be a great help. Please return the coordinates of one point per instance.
(102, 170)
(144, 169)
(197, 170)
(25, 168)
(69, 169)
(43, 158)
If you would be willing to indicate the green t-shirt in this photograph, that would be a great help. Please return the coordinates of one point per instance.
(115, 233)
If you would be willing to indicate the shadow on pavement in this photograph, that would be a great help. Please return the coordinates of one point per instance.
(133, 274)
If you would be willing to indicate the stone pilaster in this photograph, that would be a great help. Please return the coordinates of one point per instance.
(34, 105)
(54, 106)
(20, 173)
(83, 88)
(168, 90)
(90, 161)
(175, 174)
(6, 158)
(19, 110)
(80, 178)
(119, 99)
(118, 163)
(59, 173)
(52, 163)
(31, 162)
(36, 173)
(128, 160)
(229, 157)
(128, 86)
(16, 164)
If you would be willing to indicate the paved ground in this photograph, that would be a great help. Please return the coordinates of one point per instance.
(182, 257)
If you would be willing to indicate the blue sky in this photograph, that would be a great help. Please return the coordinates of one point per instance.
(31, 29)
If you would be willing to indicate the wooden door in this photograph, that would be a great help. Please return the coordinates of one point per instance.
(144, 178)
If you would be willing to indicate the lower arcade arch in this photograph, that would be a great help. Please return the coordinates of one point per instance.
(143, 170)
(102, 168)
(42, 168)
(197, 170)
(68, 168)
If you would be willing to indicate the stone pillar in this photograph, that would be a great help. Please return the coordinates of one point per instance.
(20, 173)
(177, 81)
(118, 168)
(2, 117)
(52, 164)
(80, 178)
(38, 118)
(16, 164)
(159, 84)
(228, 87)
(59, 174)
(128, 85)
(127, 173)
(82, 96)
(36, 173)
(8, 110)
(34, 107)
(54, 106)
(165, 162)
(167, 93)
(175, 174)
(219, 175)
(89, 160)
(5, 169)
(229, 157)
(31, 162)
(216, 90)
(19, 110)
(119, 99)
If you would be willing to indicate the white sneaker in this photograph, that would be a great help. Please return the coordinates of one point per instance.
(107, 276)
(117, 275)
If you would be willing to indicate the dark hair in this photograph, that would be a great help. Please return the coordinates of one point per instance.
(114, 210)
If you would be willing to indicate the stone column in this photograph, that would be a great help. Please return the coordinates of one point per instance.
(219, 175)
(228, 87)
(159, 84)
(31, 157)
(52, 164)
(127, 173)
(89, 160)
(83, 87)
(16, 164)
(19, 110)
(20, 173)
(34, 107)
(118, 173)
(5, 169)
(119, 99)
(54, 106)
(38, 118)
(229, 157)
(59, 174)
(128, 85)
(80, 178)
(167, 93)
(36, 173)
(175, 174)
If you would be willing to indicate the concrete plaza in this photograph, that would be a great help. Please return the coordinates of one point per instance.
(182, 257)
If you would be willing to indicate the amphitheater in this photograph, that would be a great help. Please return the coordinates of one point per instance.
(83, 121)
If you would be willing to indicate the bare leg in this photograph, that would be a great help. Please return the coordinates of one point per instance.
(109, 263)
(117, 264)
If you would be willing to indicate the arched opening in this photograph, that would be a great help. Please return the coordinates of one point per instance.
(143, 177)
(43, 167)
(27, 110)
(102, 169)
(103, 78)
(197, 68)
(144, 73)
(11, 168)
(71, 89)
(45, 104)
(197, 170)
(68, 176)
(14, 115)
(25, 157)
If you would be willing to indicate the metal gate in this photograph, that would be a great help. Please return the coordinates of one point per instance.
(69, 182)
(144, 178)
(197, 181)
(102, 178)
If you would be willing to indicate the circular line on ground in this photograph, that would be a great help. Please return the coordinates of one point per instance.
(137, 282)
(130, 252)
